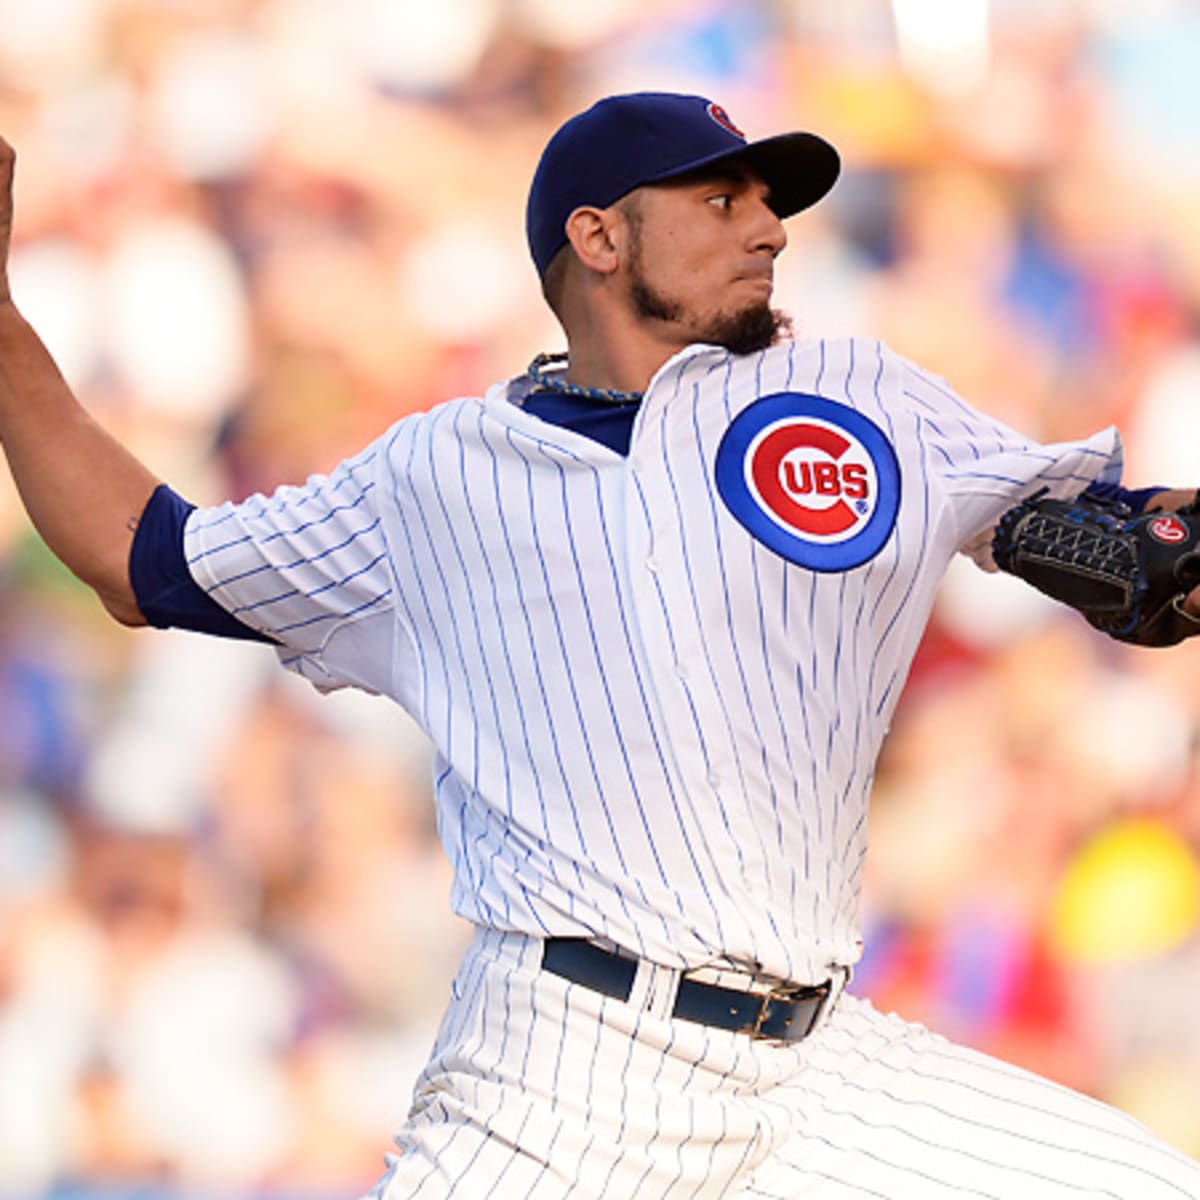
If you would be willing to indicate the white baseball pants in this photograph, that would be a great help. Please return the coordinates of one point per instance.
(542, 1089)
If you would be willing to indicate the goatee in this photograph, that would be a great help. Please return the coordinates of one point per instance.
(742, 332)
(750, 330)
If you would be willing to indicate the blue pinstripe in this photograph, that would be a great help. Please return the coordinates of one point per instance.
(696, 724)
(438, 492)
(1092, 1154)
(601, 791)
(535, 660)
(613, 717)
(665, 779)
(690, 577)
(472, 707)
(747, 698)
(280, 533)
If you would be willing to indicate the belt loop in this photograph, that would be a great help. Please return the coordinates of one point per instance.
(839, 981)
(654, 989)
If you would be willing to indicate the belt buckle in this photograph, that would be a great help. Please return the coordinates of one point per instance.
(791, 993)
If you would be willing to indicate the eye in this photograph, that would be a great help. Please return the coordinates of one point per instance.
(722, 200)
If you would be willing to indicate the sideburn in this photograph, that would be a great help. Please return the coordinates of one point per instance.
(648, 304)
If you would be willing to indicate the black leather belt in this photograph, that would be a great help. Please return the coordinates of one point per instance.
(784, 1014)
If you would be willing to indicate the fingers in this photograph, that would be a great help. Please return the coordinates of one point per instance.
(1191, 602)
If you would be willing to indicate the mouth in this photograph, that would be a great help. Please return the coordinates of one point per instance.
(758, 269)
(765, 282)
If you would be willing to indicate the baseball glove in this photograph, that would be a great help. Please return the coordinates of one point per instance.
(1126, 573)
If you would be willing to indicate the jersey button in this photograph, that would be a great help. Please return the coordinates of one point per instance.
(652, 565)
(714, 780)
(681, 671)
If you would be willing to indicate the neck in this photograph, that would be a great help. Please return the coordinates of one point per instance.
(591, 366)
(611, 344)
(617, 355)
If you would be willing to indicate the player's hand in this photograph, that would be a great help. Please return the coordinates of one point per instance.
(8, 158)
(1130, 575)
(1191, 602)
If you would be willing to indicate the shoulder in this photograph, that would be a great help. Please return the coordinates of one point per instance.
(856, 370)
(433, 421)
(833, 351)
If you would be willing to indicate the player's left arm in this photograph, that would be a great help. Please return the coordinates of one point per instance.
(1128, 561)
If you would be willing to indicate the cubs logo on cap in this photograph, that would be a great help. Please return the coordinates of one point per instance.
(722, 118)
(816, 481)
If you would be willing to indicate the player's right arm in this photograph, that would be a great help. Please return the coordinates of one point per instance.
(84, 492)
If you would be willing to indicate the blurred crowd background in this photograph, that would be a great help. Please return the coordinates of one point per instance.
(255, 232)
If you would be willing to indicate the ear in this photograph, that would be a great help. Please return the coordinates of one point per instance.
(596, 235)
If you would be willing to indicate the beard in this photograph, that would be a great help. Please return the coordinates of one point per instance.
(743, 332)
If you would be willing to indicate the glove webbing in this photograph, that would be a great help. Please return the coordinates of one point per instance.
(1108, 559)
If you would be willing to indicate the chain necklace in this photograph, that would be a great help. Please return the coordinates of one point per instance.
(555, 383)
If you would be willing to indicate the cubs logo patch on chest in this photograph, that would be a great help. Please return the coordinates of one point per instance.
(816, 481)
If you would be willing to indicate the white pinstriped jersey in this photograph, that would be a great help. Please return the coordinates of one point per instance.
(655, 721)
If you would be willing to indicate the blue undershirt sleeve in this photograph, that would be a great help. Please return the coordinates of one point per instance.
(166, 593)
(1135, 498)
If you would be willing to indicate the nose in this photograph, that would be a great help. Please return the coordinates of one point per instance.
(769, 233)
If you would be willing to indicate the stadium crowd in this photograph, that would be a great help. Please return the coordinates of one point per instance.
(254, 233)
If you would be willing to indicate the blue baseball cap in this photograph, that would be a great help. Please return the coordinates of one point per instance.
(624, 142)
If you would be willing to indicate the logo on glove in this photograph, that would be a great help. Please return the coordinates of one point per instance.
(1168, 529)
(814, 480)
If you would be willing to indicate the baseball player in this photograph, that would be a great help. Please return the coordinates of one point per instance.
(654, 605)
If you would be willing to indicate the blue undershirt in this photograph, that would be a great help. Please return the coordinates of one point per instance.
(601, 420)
(169, 597)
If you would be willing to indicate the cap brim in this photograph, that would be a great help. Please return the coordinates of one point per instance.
(799, 168)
